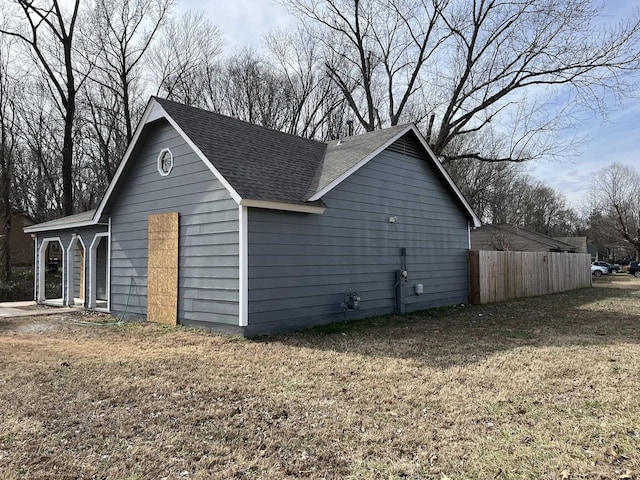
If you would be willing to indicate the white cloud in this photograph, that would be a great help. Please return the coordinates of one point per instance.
(243, 22)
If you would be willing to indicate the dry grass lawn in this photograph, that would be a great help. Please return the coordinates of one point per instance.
(544, 388)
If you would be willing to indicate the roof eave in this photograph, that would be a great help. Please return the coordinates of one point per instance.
(288, 207)
(42, 227)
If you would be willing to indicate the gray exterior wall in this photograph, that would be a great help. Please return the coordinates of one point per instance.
(301, 264)
(76, 272)
(208, 236)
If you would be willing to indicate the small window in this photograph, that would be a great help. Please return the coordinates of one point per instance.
(165, 162)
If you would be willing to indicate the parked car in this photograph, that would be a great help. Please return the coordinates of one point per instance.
(598, 271)
(634, 268)
(609, 266)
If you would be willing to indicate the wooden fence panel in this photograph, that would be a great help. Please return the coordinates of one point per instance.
(498, 276)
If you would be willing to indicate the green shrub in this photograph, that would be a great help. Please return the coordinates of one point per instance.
(19, 288)
(53, 284)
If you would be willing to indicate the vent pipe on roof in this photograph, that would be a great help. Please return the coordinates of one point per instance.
(349, 128)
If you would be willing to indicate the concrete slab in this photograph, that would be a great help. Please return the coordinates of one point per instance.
(27, 303)
(17, 309)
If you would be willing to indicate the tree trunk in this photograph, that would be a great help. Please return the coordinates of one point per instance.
(67, 163)
(69, 119)
(5, 206)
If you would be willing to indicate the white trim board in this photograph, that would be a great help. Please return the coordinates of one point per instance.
(289, 207)
(36, 272)
(70, 293)
(42, 265)
(93, 279)
(65, 226)
(243, 269)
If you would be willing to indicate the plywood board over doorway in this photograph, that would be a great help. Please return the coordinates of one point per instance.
(162, 268)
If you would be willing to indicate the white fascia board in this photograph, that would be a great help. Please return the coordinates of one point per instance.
(150, 113)
(243, 283)
(64, 226)
(288, 207)
(206, 161)
(154, 111)
(318, 195)
(476, 220)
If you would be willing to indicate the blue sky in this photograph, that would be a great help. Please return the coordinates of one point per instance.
(613, 139)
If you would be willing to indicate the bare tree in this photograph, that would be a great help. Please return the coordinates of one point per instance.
(247, 87)
(104, 134)
(545, 211)
(312, 97)
(615, 195)
(8, 92)
(473, 64)
(37, 177)
(375, 50)
(183, 58)
(500, 192)
(119, 35)
(49, 32)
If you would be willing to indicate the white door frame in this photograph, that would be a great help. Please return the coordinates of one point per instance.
(93, 260)
(43, 265)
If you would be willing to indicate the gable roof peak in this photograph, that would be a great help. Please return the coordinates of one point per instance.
(263, 167)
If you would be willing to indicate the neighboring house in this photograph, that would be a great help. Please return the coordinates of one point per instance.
(20, 243)
(505, 237)
(214, 222)
(579, 242)
(593, 251)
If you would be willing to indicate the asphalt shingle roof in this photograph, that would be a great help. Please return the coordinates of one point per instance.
(519, 239)
(259, 163)
(64, 221)
(264, 164)
(347, 152)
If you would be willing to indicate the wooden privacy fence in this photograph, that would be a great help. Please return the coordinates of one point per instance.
(499, 276)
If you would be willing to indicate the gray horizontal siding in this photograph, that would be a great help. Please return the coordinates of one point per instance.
(300, 265)
(208, 236)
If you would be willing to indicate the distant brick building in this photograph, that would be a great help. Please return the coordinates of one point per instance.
(20, 243)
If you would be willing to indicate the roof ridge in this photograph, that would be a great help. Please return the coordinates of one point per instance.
(235, 119)
(537, 236)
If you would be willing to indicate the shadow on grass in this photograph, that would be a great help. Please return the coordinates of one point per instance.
(608, 313)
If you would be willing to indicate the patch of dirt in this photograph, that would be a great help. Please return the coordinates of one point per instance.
(34, 327)
(38, 307)
(65, 321)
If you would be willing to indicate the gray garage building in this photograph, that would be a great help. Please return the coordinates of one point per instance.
(214, 222)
